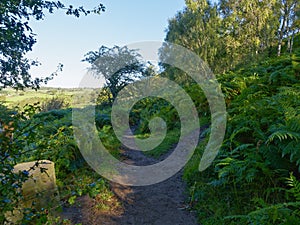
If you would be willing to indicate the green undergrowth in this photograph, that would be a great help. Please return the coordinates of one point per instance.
(167, 144)
(74, 176)
(171, 139)
(49, 136)
(255, 178)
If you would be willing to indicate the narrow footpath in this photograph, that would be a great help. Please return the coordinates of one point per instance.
(159, 204)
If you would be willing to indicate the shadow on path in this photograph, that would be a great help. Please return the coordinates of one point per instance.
(158, 204)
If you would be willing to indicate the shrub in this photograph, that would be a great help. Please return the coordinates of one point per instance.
(247, 182)
(54, 103)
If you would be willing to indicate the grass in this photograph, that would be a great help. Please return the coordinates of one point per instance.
(171, 139)
(12, 98)
(168, 143)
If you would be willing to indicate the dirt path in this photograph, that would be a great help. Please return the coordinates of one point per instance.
(158, 204)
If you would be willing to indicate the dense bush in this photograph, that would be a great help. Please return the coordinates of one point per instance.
(16, 141)
(251, 181)
(47, 135)
(54, 103)
(149, 108)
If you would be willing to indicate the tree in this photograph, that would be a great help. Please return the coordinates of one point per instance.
(197, 28)
(289, 23)
(119, 66)
(249, 28)
(227, 34)
(17, 38)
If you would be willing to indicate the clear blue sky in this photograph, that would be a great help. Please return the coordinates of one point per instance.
(66, 39)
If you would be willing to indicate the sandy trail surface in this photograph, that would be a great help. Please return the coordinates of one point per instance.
(158, 204)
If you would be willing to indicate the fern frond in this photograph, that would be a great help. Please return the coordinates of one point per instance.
(269, 214)
(241, 148)
(295, 186)
(283, 135)
(238, 131)
(294, 123)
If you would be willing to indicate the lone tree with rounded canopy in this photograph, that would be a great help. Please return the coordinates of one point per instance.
(119, 66)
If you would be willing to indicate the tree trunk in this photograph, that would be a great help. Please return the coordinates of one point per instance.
(282, 29)
(280, 41)
(292, 42)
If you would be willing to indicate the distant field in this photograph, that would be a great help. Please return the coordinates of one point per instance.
(13, 98)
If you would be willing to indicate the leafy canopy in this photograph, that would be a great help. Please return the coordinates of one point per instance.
(119, 66)
(17, 38)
